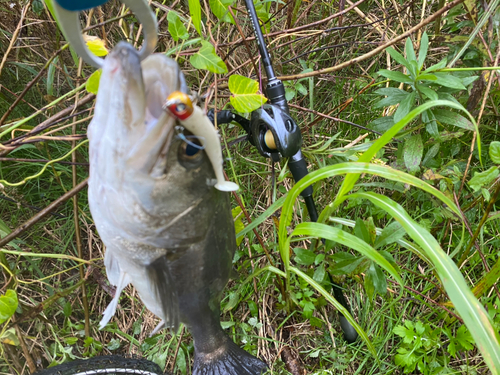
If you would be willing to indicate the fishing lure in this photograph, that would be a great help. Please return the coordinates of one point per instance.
(193, 119)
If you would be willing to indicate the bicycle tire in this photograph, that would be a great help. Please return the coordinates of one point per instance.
(105, 365)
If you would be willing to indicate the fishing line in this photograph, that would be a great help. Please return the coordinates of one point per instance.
(180, 134)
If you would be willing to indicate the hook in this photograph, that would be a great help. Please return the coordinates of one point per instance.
(69, 22)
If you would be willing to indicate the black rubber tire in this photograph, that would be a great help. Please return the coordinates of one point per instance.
(107, 365)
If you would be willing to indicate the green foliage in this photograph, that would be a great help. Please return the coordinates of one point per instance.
(220, 9)
(175, 26)
(245, 97)
(195, 12)
(8, 305)
(495, 152)
(207, 59)
(92, 84)
(427, 349)
(423, 85)
(238, 224)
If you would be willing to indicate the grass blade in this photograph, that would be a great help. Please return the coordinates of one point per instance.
(339, 307)
(351, 179)
(334, 234)
(472, 312)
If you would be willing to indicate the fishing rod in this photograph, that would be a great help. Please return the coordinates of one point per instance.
(275, 134)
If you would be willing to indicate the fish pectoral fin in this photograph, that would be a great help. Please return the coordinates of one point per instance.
(162, 285)
(123, 281)
(229, 359)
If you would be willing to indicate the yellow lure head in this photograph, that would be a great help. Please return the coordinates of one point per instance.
(179, 105)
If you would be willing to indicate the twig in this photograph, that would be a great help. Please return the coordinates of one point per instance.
(26, 352)
(29, 206)
(46, 124)
(14, 37)
(376, 50)
(30, 84)
(177, 348)
(431, 301)
(35, 219)
(491, 203)
(334, 119)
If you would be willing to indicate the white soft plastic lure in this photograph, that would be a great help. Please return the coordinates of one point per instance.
(193, 119)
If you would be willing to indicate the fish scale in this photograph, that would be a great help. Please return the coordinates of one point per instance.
(166, 230)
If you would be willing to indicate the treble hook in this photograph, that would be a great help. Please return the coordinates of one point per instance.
(69, 22)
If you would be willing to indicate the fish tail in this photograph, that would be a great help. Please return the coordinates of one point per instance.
(162, 285)
(231, 361)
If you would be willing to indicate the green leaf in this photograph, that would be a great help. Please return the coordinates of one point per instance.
(175, 26)
(466, 304)
(67, 309)
(406, 333)
(96, 45)
(495, 152)
(431, 153)
(361, 231)
(319, 273)
(422, 53)
(207, 59)
(394, 96)
(245, 98)
(300, 88)
(195, 12)
(390, 234)
(382, 124)
(484, 178)
(405, 106)
(431, 126)
(427, 77)
(349, 267)
(220, 9)
(375, 281)
(398, 57)
(430, 93)
(452, 118)
(439, 65)
(92, 84)
(395, 76)
(413, 151)
(50, 76)
(304, 256)
(410, 52)
(406, 359)
(238, 224)
(8, 305)
(352, 168)
(447, 80)
(37, 7)
(9, 337)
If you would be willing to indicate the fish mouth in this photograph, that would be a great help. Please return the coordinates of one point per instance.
(147, 128)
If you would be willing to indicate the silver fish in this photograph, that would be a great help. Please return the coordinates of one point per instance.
(166, 230)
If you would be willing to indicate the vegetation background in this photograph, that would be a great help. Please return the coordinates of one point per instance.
(415, 248)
